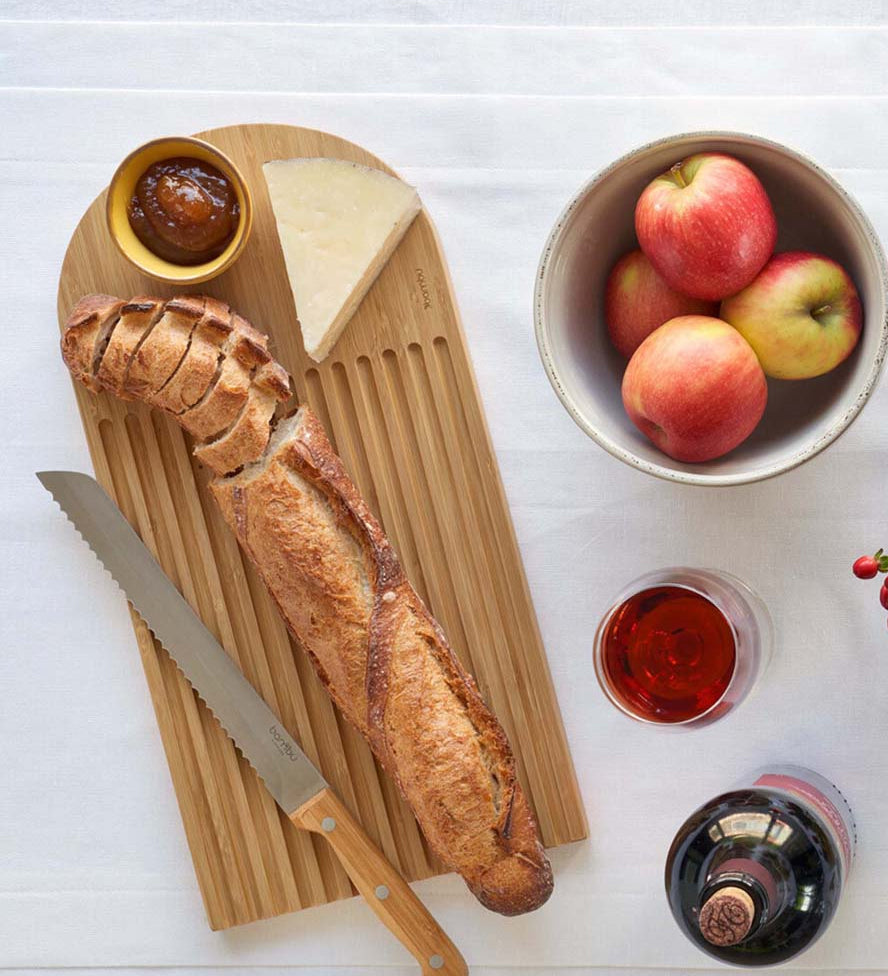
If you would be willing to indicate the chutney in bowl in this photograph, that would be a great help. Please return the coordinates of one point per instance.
(179, 210)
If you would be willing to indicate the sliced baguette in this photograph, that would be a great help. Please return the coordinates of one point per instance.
(87, 332)
(191, 307)
(193, 378)
(346, 600)
(243, 352)
(160, 353)
(247, 438)
(137, 318)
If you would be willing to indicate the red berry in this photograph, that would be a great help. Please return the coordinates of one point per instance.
(865, 568)
(883, 595)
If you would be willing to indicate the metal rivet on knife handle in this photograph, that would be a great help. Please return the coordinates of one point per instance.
(386, 892)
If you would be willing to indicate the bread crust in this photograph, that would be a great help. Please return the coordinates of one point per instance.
(387, 665)
(137, 317)
(340, 587)
(244, 351)
(89, 325)
(158, 356)
(193, 377)
(189, 310)
(247, 438)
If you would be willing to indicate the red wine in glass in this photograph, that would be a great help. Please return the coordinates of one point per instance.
(682, 647)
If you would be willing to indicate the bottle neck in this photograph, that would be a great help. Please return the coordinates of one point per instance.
(740, 895)
(728, 915)
(751, 873)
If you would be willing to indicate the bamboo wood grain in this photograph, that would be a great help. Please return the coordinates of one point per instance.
(399, 399)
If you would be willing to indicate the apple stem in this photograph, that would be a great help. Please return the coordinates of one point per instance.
(677, 174)
(821, 311)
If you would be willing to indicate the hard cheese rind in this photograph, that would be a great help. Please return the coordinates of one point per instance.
(338, 224)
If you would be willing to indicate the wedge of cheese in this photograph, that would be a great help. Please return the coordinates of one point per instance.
(338, 223)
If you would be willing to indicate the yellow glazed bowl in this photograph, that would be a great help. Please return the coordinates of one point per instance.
(120, 192)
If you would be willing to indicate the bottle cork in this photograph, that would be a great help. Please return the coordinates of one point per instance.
(726, 916)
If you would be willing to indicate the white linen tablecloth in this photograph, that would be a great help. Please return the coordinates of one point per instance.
(497, 112)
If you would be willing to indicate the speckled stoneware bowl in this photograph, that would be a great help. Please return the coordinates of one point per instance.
(813, 213)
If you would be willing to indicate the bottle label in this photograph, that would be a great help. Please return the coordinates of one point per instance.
(824, 799)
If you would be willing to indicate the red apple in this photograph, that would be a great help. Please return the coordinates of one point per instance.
(695, 388)
(707, 225)
(637, 301)
(801, 315)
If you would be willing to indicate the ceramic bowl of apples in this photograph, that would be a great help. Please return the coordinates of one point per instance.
(711, 308)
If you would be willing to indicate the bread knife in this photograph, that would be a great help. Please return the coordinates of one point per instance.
(295, 783)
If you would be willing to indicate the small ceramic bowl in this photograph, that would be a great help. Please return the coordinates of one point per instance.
(813, 213)
(120, 193)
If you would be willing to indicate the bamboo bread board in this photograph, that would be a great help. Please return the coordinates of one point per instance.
(399, 401)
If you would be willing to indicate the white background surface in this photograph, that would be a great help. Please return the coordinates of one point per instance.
(496, 112)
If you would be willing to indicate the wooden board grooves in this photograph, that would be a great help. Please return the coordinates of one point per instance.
(460, 514)
(511, 589)
(399, 401)
(392, 508)
(442, 588)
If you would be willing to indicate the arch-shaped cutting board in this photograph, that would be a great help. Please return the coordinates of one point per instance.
(398, 397)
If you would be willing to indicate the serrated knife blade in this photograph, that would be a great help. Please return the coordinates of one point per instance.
(287, 772)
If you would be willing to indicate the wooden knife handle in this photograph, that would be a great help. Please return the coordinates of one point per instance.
(387, 893)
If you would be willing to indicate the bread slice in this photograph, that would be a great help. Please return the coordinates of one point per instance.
(203, 359)
(338, 223)
(88, 330)
(187, 307)
(137, 318)
(243, 352)
(162, 350)
(247, 438)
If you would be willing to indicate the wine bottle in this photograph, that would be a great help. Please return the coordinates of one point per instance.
(755, 875)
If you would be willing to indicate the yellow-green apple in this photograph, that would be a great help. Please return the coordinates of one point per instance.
(637, 301)
(695, 388)
(707, 225)
(801, 315)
